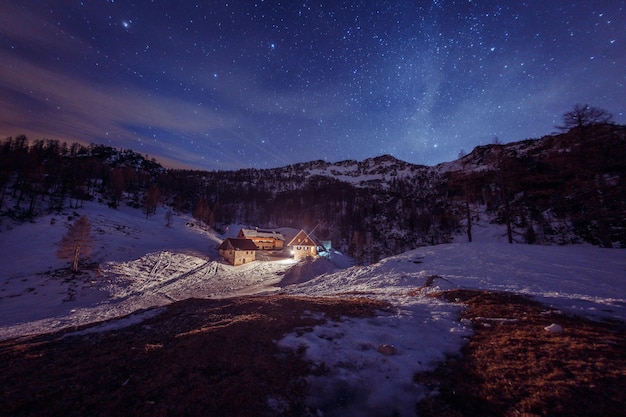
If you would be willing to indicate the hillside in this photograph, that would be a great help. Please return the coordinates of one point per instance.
(560, 189)
(162, 327)
(156, 324)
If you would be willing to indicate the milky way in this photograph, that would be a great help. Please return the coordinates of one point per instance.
(225, 85)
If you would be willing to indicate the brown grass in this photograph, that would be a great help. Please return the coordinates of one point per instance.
(219, 358)
(514, 367)
(199, 358)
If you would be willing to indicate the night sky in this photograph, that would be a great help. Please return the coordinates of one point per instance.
(235, 84)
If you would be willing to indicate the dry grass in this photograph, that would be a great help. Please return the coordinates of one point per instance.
(199, 358)
(219, 358)
(512, 366)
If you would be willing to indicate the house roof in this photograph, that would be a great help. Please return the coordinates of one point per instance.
(302, 238)
(237, 244)
(262, 233)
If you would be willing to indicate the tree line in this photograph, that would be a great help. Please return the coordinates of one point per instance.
(566, 188)
(45, 176)
(562, 188)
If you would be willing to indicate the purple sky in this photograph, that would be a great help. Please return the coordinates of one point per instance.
(233, 84)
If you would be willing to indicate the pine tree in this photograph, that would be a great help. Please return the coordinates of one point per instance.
(76, 241)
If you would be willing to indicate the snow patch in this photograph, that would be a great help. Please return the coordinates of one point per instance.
(554, 328)
(118, 324)
(365, 366)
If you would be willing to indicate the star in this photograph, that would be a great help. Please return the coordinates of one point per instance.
(334, 80)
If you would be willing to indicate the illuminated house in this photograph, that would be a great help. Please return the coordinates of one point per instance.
(238, 251)
(263, 239)
(303, 245)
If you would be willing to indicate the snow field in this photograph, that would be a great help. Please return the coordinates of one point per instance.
(582, 280)
(359, 380)
(142, 264)
(364, 366)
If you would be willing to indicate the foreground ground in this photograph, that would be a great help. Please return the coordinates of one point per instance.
(219, 358)
(514, 366)
(197, 358)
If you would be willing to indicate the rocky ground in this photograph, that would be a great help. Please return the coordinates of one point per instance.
(219, 358)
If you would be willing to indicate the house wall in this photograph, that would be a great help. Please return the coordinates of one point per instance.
(303, 251)
(238, 257)
(228, 255)
(244, 256)
(267, 243)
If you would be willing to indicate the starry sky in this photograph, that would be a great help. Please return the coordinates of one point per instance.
(236, 84)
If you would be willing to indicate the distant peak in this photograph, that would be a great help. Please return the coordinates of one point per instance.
(385, 158)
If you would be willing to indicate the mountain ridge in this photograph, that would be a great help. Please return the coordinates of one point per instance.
(559, 189)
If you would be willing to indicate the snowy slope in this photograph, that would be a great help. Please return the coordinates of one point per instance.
(143, 264)
(583, 280)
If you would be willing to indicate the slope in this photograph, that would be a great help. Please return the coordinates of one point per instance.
(137, 263)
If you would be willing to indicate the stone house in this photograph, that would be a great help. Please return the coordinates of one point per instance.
(238, 251)
(263, 239)
(303, 245)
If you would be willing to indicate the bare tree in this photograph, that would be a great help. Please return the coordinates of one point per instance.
(584, 115)
(205, 213)
(468, 213)
(76, 241)
(357, 244)
(116, 186)
(151, 200)
(503, 182)
(168, 217)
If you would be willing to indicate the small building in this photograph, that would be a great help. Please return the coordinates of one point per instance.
(303, 245)
(263, 239)
(238, 251)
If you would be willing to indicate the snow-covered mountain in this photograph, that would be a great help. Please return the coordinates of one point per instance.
(560, 189)
(372, 172)
(407, 224)
(405, 227)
